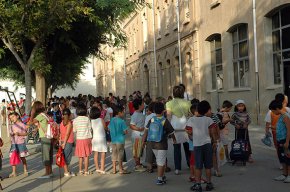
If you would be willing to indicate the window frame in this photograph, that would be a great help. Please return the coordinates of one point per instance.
(213, 62)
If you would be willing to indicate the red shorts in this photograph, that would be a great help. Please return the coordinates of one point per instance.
(192, 161)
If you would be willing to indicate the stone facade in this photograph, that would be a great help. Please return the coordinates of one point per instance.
(218, 56)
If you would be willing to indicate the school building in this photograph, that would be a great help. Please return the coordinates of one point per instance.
(220, 49)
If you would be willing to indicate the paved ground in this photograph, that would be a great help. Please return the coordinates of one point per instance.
(251, 178)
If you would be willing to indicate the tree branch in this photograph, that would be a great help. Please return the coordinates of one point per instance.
(11, 47)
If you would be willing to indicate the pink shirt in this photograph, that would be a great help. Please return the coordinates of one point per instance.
(20, 128)
(63, 133)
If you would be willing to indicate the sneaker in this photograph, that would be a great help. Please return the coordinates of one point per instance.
(209, 187)
(287, 180)
(160, 182)
(164, 178)
(176, 172)
(45, 176)
(196, 187)
(280, 178)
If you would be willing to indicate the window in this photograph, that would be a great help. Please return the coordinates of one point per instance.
(158, 23)
(186, 12)
(240, 56)
(280, 41)
(216, 62)
(145, 31)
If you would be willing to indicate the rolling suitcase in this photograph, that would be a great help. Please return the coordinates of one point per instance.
(240, 149)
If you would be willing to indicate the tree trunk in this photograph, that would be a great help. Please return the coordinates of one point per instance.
(40, 87)
(28, 90)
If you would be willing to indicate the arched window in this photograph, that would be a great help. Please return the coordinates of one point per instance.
(216, 61)
(240, 55)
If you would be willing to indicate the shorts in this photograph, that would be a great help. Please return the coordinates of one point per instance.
(203, 156)
(137, 147)
(160, 156)
(150, 157)
(224, 137)
(20, 148)
(118, 152)
(47, 151)
(281, 155)
(191, 161)
(68, 152)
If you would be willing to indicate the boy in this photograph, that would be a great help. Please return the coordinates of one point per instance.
(283, 139)
(118, 130)
(159, 144)
(137, 126)
(56, 113)
(203, 154)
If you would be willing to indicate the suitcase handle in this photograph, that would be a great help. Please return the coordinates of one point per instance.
(236, 134)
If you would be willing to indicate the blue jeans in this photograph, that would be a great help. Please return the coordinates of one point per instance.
(177, 154)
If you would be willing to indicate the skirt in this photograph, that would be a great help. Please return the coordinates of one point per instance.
(99, 144)
(83, 147)
(20, 148)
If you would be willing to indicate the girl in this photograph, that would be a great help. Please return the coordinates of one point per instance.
(40, 119)
(66, 140)
(99, 144)
(82, 127)
(241, 120)
(18, 133)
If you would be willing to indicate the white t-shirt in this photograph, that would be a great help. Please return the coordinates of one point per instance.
(268, 115)
(200, 129)
(137, 119)
(108, 117)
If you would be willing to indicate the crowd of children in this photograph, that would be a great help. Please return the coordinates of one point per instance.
(98, 126)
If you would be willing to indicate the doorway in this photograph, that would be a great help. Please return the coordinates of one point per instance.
(287, 78)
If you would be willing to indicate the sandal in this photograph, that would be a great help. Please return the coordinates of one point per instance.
(192, 179)
(86, 173)
(113, 172)
(217, 174)
(11, 175)
(101, 172)
(81, 172)
(149, 170)
(124, 171)
(25, 173)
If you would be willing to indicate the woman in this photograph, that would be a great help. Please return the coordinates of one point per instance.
(177, 110)
(40, 119)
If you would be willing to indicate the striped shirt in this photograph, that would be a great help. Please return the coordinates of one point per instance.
(82, 127)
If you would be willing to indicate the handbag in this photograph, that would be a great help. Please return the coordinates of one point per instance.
(14, 158)
(178, 123)
(48, 133)
(60, 161)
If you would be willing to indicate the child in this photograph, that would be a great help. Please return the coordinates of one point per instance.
(18, 133)
(203, 154)
(150, 158)
(193, 110)
(241, 120)
(118, 130)
(283, 139)
(224, 132)
(82, 127)
(66, 140)
(99, 143)
(107, 119)
(56, 113)
(159, 144)
(137, 126)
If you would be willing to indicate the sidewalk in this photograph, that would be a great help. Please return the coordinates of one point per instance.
(253, 177)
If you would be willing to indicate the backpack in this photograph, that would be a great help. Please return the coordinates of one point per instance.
(221, 125)
(155, 132)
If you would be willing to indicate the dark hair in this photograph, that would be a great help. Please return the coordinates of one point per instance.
(50, 113)
(14, 113)
(182, 85)
(193, 108)
(3, 100)
(178, 92)
(137, 103)
(194, 101)
(81, 109)
(159, 108)
(151, 106)
(95, 113)
(275, 104)
(203, 107)
(66, 111)
(227, 104)
(118, 109)
(280, 97)
(54, 105)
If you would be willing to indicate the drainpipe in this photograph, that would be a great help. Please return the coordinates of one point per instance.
(179, 43)
(154, 48)
(256, 63)
(125, 77)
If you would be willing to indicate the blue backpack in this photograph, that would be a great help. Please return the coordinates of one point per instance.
(155, 131)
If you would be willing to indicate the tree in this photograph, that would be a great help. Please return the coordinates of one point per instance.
(29, 28)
